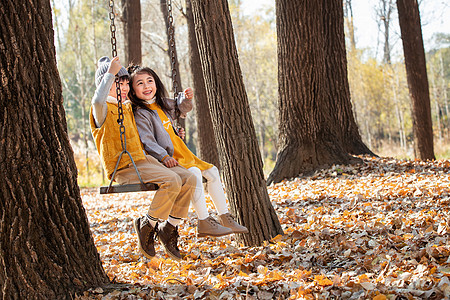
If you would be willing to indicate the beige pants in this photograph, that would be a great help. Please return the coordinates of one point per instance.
(176, 186)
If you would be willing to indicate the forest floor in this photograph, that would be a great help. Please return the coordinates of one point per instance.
(376, 230)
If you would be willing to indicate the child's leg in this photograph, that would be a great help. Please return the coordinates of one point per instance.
(187, 192)
(199, 201)
(207, 225)
(215, 190)
(170, 184)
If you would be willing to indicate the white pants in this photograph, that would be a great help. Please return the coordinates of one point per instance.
(215, 190)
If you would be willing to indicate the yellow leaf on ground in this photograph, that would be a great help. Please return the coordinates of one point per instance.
(322, 280)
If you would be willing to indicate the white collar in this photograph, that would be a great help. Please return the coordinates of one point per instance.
(151, 101)
(113, 100)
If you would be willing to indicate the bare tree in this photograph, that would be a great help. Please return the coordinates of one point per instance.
(416, 73)
(131, 18)
(314, 103)
(348, 13)
(338, 90)
(233, 127)
(206, 142)
(384, 12)
(46, 246)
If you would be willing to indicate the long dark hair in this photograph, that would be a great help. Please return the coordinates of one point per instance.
(161, 92)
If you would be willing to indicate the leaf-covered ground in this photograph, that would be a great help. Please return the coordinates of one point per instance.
(377, 230)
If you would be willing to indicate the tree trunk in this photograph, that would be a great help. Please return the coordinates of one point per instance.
(307, 140)
(445, 102)
(131, 18)
(384, 16)
(436, 103)
(46, 247)
(337, 80)
(416, 74)
(398, 111)
(206, 142)
(233, 127)
(350, 23)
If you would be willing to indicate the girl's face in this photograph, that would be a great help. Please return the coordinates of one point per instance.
(144, 86)
(124, 89)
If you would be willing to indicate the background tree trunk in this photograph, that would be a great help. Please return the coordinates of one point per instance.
(337, 80)
(233, 127)
(350, 24)
(416, 74)
(206, 142)
(45, 243)
(307, 139)
(384, 17)
(131, 18)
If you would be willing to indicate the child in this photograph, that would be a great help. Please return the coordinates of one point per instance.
(176, 185)
(154, 114)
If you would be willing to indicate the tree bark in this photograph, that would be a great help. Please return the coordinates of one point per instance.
(307, 139)
(46, 248)
(337, 80)
(416, 74)
(233, 127)
(131, 18)
(206, 142)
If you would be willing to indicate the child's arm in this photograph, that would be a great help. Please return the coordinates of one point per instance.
(99, 107)
(146, 134)
(185, 103)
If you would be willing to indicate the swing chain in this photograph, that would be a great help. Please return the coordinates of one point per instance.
(112, 28)
(172, 49)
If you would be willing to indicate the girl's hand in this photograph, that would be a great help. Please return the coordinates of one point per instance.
(115, 66)
(181, 133)
(170, 162)
(189, 93)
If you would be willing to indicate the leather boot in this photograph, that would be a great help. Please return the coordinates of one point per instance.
(146, 236)
(228, 221)
(210, 227)
(168, 236)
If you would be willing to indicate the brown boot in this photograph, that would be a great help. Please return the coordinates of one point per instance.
(210, 227)
(168, 236)
(228, 221)
(146, 236)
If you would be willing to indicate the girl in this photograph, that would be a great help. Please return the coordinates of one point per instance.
(154, 115)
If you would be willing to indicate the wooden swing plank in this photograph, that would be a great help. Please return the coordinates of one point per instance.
(125, 188)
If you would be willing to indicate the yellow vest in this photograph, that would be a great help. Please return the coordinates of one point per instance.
(181, 152)
(107, 138)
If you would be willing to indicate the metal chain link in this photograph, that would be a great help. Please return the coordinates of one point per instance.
(123, 138)
(173, 62)
(112, 28)
(172, 49)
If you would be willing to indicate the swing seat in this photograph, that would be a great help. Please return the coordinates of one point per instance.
(125, 188)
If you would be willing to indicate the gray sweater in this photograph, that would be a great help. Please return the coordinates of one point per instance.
(99, 107)
(153, 135)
